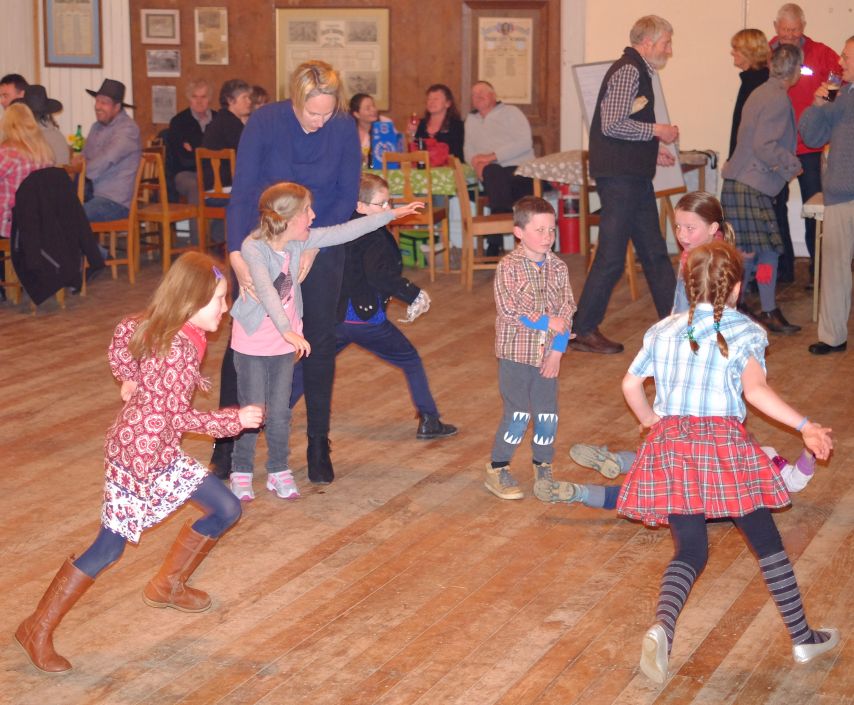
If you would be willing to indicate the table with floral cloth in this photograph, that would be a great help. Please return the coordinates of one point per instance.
(444, 183)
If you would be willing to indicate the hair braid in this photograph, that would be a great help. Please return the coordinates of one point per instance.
(721, 292)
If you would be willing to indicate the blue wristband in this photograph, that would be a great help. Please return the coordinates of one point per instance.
(804, 422)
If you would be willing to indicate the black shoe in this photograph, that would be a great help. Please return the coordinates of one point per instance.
(820, 348)
(432, 427)
(220, 464)
(320, 470)
(776, 322)
(595, 342)
(92, 272)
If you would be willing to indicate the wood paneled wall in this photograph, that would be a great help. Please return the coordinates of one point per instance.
(427, 46)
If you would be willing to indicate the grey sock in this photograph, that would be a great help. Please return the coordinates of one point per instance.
(593, 496)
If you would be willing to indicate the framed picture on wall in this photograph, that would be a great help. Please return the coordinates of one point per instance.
(212, 36)
(161, 26)
(163, 63)
(72, 33)
(355, 41)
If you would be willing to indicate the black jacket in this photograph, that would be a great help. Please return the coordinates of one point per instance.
(223, 133)
(373, 274)
(183, 128)
(454, 136)
(50, 232)
(750, 81)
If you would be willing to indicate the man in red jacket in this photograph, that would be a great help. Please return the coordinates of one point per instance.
(819, 60)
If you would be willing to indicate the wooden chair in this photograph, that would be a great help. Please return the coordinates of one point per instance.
(430, 216)
(213, 159)
(10, 284)
(108, 233)
(589, 219)
(162, 213)
(475, 228)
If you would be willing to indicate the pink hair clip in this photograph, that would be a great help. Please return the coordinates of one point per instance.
(217, 273)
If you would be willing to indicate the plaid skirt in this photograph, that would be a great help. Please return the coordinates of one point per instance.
(699, 465)
(751, 214)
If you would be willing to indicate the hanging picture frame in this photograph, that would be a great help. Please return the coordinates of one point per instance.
(72, 33)
(211, 36)
(160, 26)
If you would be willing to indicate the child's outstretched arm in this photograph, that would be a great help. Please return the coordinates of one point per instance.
(352, 229)
(637, 401)
(756, 390)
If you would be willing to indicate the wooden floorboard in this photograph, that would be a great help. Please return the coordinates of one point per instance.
(405, 582)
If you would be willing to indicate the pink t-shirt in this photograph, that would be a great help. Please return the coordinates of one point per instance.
(267, 341)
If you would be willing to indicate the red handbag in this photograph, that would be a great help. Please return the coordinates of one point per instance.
(438, 151)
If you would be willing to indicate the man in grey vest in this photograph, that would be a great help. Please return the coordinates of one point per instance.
(625, 147)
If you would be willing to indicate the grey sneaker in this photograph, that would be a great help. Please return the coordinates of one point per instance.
(546, 489)
(501, 483)
(599, 458)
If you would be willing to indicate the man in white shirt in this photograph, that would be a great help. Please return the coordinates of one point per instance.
(497, 140)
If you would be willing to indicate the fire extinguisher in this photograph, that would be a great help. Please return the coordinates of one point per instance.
(568, 217)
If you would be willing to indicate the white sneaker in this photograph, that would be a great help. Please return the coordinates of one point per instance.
(282, 483)
(654, 658)
(241, 486)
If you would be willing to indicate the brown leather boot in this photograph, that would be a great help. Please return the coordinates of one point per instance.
(35, 634)
(168, 588)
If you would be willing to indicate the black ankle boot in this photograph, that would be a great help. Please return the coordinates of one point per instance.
(320, 471)
(431, 426)
(749, 312)
(220, 464)
(776, 322)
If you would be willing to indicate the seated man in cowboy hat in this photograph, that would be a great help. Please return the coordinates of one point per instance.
(35, 98)
(112, 154)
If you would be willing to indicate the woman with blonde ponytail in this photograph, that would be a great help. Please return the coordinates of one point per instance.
(267, 335)
(698, 462)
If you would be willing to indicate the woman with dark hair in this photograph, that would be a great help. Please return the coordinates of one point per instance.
(763, 162)
(442, 120)
(750, 53)
(227, 125)
(365, 113)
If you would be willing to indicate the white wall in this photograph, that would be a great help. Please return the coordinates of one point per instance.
(18, 40)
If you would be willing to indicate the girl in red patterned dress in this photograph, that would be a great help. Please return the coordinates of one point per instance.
(156, 356)
(698, 461)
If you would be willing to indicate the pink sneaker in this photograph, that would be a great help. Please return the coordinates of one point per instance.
(282, 483)
(241, 486)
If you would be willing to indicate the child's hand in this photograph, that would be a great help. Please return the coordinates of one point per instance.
(557, 324)
(818, 440)
(251, 416)
(551, 364)
(301, 346)
(244, 278)
(407, 209)
(648, 423)
(128, 388)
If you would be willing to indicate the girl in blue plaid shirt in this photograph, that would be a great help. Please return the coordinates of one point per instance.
(698, 462)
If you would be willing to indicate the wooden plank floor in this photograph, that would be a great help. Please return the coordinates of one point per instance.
(405, 581)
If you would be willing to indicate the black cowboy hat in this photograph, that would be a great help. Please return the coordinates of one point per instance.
(112, 89)
(35, 98)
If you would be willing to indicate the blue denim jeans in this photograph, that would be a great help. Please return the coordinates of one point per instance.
(264, 380)
(99, 209)
(628, 212)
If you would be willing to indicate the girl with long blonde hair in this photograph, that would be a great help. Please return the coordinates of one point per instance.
(156, 356)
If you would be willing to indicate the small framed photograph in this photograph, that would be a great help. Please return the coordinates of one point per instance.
(212, 36)
(164, 104)
(163, 63)
(161, 26)
(72, 33)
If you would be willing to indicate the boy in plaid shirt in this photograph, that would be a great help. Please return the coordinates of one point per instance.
(534, 305)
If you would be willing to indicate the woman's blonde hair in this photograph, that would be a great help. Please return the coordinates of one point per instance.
(711, 273)
(708, 209)
(316, 78)
(20, 131)
(187, 287)
(277, 205)
(754, 45)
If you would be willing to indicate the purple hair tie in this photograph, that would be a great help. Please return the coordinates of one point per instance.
(217, 273)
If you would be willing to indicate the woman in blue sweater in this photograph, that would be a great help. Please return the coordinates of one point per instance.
(310, 140)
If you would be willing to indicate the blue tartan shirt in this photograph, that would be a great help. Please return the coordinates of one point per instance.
(706, 383)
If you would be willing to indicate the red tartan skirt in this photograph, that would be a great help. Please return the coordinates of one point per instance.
(699, 465)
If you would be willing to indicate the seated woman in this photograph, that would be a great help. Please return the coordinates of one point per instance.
(442, 120)
(364, 112)
(23, 150)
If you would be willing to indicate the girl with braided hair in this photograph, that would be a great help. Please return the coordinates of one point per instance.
(267, 333)
(698, 462)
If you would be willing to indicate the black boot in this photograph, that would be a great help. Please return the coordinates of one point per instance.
(220, 464)
(431, 426)
(320, 471)
(776, 322)
(749, 312)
